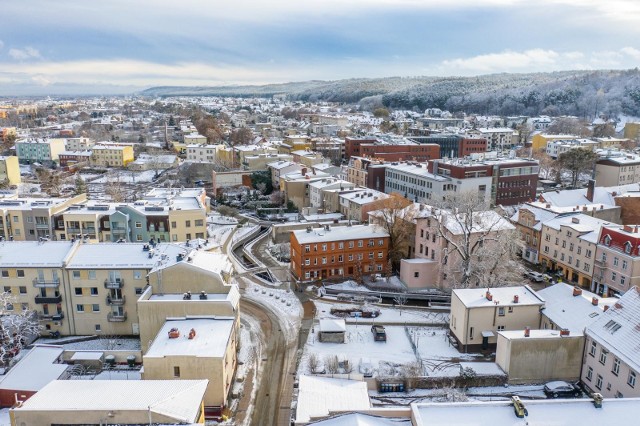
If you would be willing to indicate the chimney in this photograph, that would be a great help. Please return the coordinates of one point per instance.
(515, 298)
(606, 308)
(527, 332)
(577, 291)
(597, 400)
(591, 186)
(489, 296)
(564, 332)
(548, 206)
(594, 301)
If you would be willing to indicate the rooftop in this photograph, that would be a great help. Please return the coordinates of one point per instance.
(35, 369)
(342, 233)
(210, 340)
(320, 395)
(34, 254)
(500, 296)
(122, 255)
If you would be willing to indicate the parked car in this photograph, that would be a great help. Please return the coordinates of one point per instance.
(379, 333)
(535, 276)
(562, 389)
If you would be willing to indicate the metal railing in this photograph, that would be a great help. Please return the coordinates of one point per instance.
(115, 300)
(42, 283)
(113, 284)
(114, 317)
(49, 299)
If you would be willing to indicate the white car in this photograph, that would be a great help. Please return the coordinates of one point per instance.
(535, 276)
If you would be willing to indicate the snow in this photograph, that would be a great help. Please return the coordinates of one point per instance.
(319, 395)
(360, 419)
(5, 419)
(87, 356)
(332, 325)
(211, 338)
(502, 296)
(390, 315)
(35, 370)
(99, 344)
(126, 177)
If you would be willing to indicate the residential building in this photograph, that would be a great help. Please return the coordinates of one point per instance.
(9, 170)
(407, 151)
(281, 167)
(498, 138)
(294, 186)
(632, 130)
(111, 154)
(367, 173)
(478, 314)
(440, 123)
(122, 402)
(74, 159)
(194, 139)
(611, 365)
(261, 161)
(622, 170)
(39, 150)
(617, 260)
(201, 153)
(352, 146)
(528, 221)
(351, 251)
(307, 158)
(157, 162)
(539, 140)
(555, 148)
(356, 204)
(78, 144)
(568, 246)
(318, 188)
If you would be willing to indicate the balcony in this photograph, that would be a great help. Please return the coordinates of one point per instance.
(51, 317)
(42, 226)
(600, 263)
(114, 317)
(41, 283)
(73, 230)
(118, 228)
(115, 301)
(49, 299)
(113, 283)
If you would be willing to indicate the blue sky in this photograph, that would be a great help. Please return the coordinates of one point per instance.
(124, 45)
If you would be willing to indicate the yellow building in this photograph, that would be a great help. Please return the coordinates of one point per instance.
(632, 130)
(9, 170)
(539, 141)
(112, 155)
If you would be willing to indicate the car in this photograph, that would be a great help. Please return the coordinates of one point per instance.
(535, 276)
(562, 389)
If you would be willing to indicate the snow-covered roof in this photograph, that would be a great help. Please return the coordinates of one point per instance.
(177, 399)
(482, 222)
(364, 196)
(587, 226)
(360, 419)
(483, 368)
(332, 325)
(501, 296)
(34, 254)
(319, 395)
(614, 412)
(540, 214)
(212, 335)
(35, 369)
(342, 233)
(617, 328)
(569, 311)
(121, 255)
(535, 334)
(578, 197)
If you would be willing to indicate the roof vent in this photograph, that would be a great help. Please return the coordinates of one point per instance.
(203, 295)
(488, 295)
(516, 298)
(577, 291)
(594, 301)
(527, 332)
(564, 332)
(575, 220)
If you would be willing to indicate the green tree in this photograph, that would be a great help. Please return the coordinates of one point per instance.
(575, 162)
(81, 186)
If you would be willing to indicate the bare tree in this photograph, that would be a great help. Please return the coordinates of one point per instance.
(577, 161)
(313, 362)
(478, 246)
(331, 364)
(16, 328)
(400, 300)
(397, 217)
(411, 372)
(115, 189)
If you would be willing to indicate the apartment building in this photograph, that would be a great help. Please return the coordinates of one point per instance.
(352, 146)
(10, 170)
(622, 170)
(351, 251)
(498, 138)
(78, 144)
(295, 185)
(477, 315)
(617, 260)
(528, 221)
(556, 148)
(39, 150)
(89, 220)
(281, 167)
(112, 155)
(307, 158)
(366, 172)
(29, 219)
(569, 244)
(318, 188)
(539, 141)
(400, 151)
(610, 362)
(261, 161)
(356, 204)
(70, 159)
(201, 153)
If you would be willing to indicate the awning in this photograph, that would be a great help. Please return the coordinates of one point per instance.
(487, 334)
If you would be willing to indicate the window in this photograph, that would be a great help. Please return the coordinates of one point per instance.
(78, 291)
(5, 273)
(307, 262)
(592, 349)
(603, 356)
(622, 280)
(307, 275)
(307, 249)
(16, 219)
(588, 253)
(360, 243)
(173, 224)
(619, 395)
(380, 255)
(92, 274)
(616, 366)
(501, 312)
(75, 275)
(624, 264)
(627, 247)
(7, 289)
(9, 306)
(579, 250)
(324, 247)
(340, 258)
(501, 328)
(615, 261)
(24, 306)
(79, 308)
(350, 244)
(198, 222)
(340, 246)
(137, 275)
(95, 307)
(187, 223)
(416, 275)
(138, 225)
(98, 327)
(631, 380)
(139, 290)
(599, 382)
(589, 373)
(22, 289)
(94, 291)
(138, 237)
(20, 273)
(350, 257)
(174, 237)
(613, 276)
(470, 333)
(176, 371)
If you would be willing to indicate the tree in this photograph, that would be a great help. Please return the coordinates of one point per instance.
(241, 136)
(313, 362)
(16, 328)
(577, 161)
(396, 216)
(81, 186)
(479, 246)
(400, 300)
(381, 113)
(604, 130)
(331, 364)
(569, 126)
(115, 190)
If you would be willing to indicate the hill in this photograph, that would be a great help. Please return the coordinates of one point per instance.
(579, 93)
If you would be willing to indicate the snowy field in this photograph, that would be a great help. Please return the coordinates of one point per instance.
(434, 351)
(126, 177)
(389, 315)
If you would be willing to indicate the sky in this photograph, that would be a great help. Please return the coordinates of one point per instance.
(121, 46)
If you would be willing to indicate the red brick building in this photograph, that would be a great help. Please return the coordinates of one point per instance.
(352, 146)
(387, 152)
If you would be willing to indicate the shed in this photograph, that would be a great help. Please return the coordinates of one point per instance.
(332, 330)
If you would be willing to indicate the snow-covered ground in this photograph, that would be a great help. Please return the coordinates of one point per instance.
(98, 344)
(389, 315)
(5, 420)
(280, 301)
(218, 234)
(117, 374)
(126, 177)
(435, 352)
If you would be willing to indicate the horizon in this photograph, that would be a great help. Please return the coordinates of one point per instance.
(71, 47)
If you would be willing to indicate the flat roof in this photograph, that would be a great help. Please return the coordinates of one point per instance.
(34, 253)
(501, 296)
(179, 399)
(354, 232)
(320, 395)
(35, 370)
(121, 255)
(212, 335)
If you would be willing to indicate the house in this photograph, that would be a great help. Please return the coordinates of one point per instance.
(611, 365)
(122, 402)
(528, 221)
(478, 314)
(617, 260)
(9, 170)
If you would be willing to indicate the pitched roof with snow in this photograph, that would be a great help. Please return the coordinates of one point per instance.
(360, 419)
(618, 328)
(578, 197)
(332, 325)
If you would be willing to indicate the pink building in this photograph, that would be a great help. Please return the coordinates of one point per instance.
(617, 260)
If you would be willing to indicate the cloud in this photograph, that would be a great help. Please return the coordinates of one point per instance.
(1, 44)
(24, 54)
(631, 51)
(496, 62)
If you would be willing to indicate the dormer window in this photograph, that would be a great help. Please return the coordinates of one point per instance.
(607, 240)
(627, 247)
